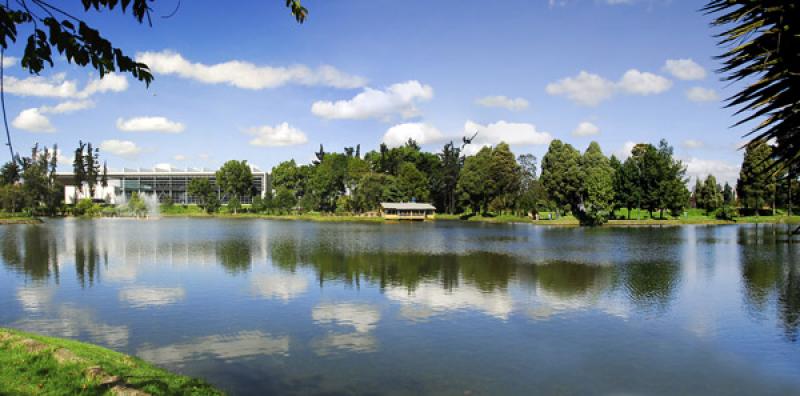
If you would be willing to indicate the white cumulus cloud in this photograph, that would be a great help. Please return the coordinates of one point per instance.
(590, 89)
(10, 61)
(643, 83)
(400, 98)
(111, 82)
(149, 124)
(32, 120)
(179, 157)
(685, 69)
(700, 94)
(586, 129)
(142, 297)
(57, 86)
(508, 132)
(67, 107)
(514, 104)
(277, 136)
(586, 88)
(625, 151)
(122, 148)
(693, 144)
(421, 133)
(54, 86)
(35, 120)
(723, 171)
(247, 75)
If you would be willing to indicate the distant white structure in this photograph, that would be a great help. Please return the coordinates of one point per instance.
(407, 211)
(166, 184)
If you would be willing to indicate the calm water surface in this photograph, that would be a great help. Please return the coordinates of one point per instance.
(274, 307)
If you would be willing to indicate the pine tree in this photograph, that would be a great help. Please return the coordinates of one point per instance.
(451, 162)
(756, 185)
(79, 169)
(560, 174)
(727, 194)
(597, 186)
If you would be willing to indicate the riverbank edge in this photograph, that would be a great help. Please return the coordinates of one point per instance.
(20, 220)
(563, 222)
(36, 364)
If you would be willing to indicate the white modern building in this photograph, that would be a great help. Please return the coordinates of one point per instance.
(167, 184)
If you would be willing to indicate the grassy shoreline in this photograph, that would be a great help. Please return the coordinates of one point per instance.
(18, 218)
(692, 218)
(34, 365)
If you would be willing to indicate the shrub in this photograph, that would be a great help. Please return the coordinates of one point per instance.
(212, 204)
(725, 213)
(83, 207)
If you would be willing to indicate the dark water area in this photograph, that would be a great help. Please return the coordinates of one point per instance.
(288, 307)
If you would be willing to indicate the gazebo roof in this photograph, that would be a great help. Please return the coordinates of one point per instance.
(407, 206)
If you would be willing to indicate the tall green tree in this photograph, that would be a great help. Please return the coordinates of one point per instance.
(411, 183)
(79, 169)
(672, 192)
(756, 185)
(709, 197)
(561, 174)
(91, 165)
(286, 175)
(504, 178)
(372, 189)
(531, 198)
(472, 186)
(9, 173)
(451, 164)
(326, 182)
(41, 192)
(597, 186)
(727, 195)
(285, 199)
(235, 178)
(202, 191)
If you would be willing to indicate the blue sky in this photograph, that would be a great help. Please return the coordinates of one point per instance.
(248, 82)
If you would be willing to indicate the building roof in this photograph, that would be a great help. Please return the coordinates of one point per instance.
(407, 206)
(163, 172)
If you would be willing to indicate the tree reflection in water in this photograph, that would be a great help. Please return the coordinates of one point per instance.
(770, 276)
(30, 250)
(234, 255)
(767, 259)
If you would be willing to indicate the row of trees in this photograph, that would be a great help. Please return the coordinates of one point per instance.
(588, 185)
(234, 180)
(86, 170)
(30, 183)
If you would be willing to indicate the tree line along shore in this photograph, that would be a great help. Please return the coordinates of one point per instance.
(493, 184)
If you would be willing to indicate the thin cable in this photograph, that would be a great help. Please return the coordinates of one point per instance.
(3, 99)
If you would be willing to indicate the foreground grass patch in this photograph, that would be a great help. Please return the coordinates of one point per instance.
(38, 365)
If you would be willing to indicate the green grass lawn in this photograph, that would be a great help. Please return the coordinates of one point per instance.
(18, 218)
(690, 216)
(34, 369)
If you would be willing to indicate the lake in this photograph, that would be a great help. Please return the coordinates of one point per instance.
(451, 308)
